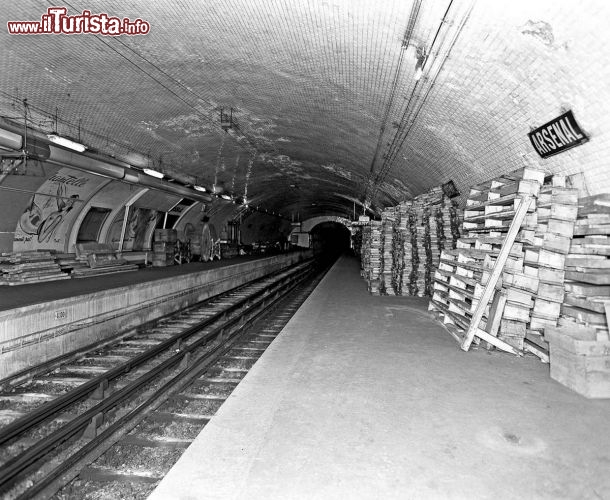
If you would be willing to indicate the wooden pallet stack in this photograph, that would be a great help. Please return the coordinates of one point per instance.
(580, 344)
(164, 247)
(68, 262)
(376, 242)
(100, 259)
(404, 252)
(587, 285)
(448, 221)
(398, 254)
(411, 254)
(422, 215)
(388, 219)
(20, 268)
(365, 258)
(460, 282)
(412, 237)
(357, 240)
(435, 238)
(545, 259)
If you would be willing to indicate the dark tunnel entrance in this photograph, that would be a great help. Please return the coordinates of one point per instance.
(330, 238)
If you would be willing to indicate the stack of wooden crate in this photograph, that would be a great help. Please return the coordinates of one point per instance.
(388, 219)
(164, 247)
(580, 344)
(422, 215)
(403, 249)
(398, 254)
(587, 284)
(435, 240)
(411, 254)
(464, 272)
(411, 237)
(365, 249)
(20, 268)
(456, 221)
(545, 258)
(376, 242)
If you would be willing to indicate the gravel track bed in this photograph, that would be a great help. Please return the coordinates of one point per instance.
(87, 490)
(178, 430)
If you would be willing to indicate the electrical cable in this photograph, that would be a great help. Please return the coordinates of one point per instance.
(407, 106)
(412, 112)
(415, 113)
(390, 102)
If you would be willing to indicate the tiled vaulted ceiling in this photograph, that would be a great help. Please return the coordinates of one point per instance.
(323, 92)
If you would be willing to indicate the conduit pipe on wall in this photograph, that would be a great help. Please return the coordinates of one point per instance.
(11, 137)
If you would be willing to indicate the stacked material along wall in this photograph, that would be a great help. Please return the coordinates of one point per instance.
(464, 272)
(529, 294)
(388, 220)
(401, 252)
(376, 250)
(580, 343)
(552, 296)
(21, 268)
(365, 251)
(545, 254)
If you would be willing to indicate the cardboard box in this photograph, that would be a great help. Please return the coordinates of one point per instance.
(581, 365)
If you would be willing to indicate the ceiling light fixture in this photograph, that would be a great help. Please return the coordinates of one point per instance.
(226, 197)
(153, 173)
(67, 143)
(200, 188)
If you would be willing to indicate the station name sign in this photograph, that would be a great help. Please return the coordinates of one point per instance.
(558, 135)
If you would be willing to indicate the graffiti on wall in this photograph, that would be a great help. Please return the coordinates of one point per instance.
(140, 225)
(51, 210)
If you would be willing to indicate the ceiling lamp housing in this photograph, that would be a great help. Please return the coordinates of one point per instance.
(153, 173)
(67, 143)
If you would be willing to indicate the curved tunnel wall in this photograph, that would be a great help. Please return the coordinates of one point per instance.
(512, 66)
(515, 66)
(44, 209)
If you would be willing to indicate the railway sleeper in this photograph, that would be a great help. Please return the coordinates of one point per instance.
(190, 418)
(104, 475)
(156, 442)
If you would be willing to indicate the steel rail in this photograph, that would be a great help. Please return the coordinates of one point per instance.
(20, 425)
(23, 463)
(29, 373)
(65, 472)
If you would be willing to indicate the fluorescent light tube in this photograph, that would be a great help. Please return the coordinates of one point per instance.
(153, 173)
(66, 143)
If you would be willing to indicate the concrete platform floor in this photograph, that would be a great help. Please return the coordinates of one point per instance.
(366, 397)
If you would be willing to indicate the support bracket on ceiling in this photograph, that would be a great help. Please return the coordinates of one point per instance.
(226, 120)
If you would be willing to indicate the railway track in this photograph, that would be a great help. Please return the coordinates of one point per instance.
(150, 390)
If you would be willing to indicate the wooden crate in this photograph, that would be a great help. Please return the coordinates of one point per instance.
(581, 365)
